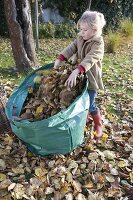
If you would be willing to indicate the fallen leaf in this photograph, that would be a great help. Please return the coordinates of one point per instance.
(131, 176)
(2, 177)
(18, 191)
(77, 186)
(10, 187)
(80, 196)
(110, 178)
(123, 163)
(109, 154)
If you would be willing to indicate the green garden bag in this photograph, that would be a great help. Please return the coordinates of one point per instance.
(59, 134)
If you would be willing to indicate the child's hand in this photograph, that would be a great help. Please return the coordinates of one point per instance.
(57, 63)
(71, 81)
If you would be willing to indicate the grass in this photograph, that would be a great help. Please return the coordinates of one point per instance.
(6, 57)
(117, 70)
(49, 49)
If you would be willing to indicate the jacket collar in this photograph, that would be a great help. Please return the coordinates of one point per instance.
(94, 38)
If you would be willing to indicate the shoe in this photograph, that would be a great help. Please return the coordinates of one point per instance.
(98, 124)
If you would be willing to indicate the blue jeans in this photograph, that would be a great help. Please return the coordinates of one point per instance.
(93, 108)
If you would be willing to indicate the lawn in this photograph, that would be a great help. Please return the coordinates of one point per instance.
(117, 71)
(95, 170)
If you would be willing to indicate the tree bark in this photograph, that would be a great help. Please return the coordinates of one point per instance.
(36, 23)
(18, 15)
(89, 4)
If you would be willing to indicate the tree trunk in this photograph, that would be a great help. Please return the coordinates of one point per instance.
(18, 15)
(89, 4)
(36, 23)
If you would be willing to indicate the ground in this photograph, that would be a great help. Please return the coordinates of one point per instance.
(97, 170)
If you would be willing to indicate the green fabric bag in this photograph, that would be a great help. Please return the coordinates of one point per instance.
(60, 133)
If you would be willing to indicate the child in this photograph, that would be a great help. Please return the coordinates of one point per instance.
(87, 50)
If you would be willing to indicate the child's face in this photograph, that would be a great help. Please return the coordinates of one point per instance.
(85, 31)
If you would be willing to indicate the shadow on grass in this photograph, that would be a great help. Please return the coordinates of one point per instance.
(11, 73)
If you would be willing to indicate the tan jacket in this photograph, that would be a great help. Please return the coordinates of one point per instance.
(90, 54)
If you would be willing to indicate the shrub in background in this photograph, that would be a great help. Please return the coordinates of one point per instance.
(65, 30)
(113, 41)
(126, 28)
(114, 10)
(46, 30)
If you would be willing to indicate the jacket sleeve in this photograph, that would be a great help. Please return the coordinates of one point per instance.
(70, 50)
(94, 55)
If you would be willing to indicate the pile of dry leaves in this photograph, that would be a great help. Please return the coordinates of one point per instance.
(94, 171)
(50, 94)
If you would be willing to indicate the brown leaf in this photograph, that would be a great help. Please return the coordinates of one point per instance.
(2, 177)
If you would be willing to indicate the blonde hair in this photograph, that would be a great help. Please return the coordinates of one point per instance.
(94, 19)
